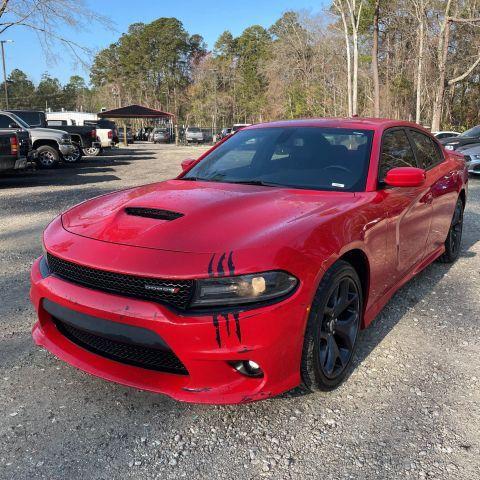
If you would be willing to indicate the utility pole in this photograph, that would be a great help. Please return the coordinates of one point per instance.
(5, 71)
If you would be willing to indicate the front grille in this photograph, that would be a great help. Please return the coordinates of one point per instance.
(131, 354)
(153, 213)
(177, 293)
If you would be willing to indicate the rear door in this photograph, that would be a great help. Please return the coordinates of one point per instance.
(442, 180)
(408, 209)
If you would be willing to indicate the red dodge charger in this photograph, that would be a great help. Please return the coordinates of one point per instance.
(254, 270)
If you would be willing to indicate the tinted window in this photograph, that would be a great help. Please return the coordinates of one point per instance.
(34, 119)
(298, 157)
(5, 121)
(473, 132)
(427, 152)
(396, 152)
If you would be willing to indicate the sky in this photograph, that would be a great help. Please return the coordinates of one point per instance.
(209, 18)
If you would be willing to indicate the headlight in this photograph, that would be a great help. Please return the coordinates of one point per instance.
(237, 290)
(476, 157)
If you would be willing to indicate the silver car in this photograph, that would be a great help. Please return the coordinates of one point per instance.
(472, 157)
(194, 135)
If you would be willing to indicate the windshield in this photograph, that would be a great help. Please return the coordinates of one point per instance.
(298, 157)
(193, 129)
(20, 121)
(473, 132)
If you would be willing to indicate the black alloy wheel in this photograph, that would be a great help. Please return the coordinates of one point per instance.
(332, 328)
(453, 242)
(339, 328)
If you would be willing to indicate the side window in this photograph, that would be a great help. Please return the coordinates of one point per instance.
(396, 152)
(427, 152)
(5, 121)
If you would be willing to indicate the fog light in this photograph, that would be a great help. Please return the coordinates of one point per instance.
(248, 368)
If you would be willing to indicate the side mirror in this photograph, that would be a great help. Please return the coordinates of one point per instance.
(405, 177)
(13, 125)
(186, 164)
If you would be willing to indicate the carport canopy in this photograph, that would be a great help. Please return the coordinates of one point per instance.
(135, 111)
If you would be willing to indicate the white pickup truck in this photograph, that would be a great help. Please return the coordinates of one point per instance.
(107, 131)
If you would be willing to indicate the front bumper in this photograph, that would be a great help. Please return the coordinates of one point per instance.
(473, 165)
(271, 336)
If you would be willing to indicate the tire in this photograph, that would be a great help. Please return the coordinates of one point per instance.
(92, 151)
(73, 157)
(453, 242)
(48, 157)
(332, 329)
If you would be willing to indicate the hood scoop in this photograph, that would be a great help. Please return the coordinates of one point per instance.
(155, 213)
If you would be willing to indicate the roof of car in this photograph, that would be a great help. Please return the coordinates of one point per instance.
(352, 122)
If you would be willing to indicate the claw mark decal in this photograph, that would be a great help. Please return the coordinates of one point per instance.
(217, 329)
(237, 326)
(220, 273)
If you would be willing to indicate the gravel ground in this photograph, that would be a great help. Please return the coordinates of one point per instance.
(410, 409)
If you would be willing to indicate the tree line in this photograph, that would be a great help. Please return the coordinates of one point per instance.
(49, 93)
(407, 59)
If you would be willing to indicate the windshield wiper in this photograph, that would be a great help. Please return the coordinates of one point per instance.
(254, 182)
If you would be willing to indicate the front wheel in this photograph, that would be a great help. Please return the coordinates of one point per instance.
(332, 328)
(454, 237)
(92, 151)
(48, 157)
(75, 156)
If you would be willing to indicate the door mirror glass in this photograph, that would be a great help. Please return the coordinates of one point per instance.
(13, 125)
(405, 177)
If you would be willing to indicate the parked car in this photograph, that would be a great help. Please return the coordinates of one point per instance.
(84, 137)
(445, 134)
(160, 135)
(465, 138)
(106, 133)
(472, 157)
(129, 135)
(12, 155)
(225, 133)
(194, 135)
(238, 126)
(255, 269)
(51, 145)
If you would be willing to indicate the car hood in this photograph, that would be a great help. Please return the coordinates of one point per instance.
(49, 131)
(214, 216)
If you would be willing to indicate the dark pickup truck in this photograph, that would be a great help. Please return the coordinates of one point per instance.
(83, 137)
(15, 147)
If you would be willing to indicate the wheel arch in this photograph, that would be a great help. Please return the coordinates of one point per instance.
(42, 142)
(359, 261)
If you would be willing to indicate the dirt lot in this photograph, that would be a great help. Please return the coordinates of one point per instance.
(411, 408)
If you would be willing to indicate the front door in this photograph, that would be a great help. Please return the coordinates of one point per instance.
(408, 209)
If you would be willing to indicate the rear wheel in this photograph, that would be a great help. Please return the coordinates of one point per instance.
(92, 151)
(332, 329)
(454, 237)
(48, 157)
(74, 156)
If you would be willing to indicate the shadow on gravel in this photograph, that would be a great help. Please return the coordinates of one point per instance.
(410, 294)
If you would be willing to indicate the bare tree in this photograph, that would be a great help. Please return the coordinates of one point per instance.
(45, 17)
(376, 79)
(420, 7)
(443, 46)
(351, 9)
